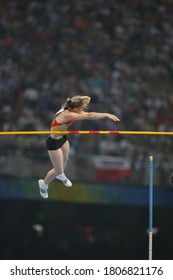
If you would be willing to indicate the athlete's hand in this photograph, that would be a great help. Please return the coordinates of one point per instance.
(113, 117)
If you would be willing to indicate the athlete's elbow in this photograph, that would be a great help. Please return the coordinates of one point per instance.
(86, 116)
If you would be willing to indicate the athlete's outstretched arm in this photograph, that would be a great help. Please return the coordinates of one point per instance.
(92, 116)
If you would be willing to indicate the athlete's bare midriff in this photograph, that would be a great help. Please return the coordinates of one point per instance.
(59, 128)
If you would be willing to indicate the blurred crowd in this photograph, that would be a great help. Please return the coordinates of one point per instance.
(118, 52)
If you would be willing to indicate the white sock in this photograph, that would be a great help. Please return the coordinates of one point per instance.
(61, 176)
(46, 185)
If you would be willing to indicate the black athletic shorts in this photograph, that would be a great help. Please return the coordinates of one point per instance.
(55, 144)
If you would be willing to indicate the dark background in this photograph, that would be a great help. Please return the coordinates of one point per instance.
(78, 231)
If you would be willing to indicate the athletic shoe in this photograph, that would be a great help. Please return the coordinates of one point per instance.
(64, 180)
(43, 188)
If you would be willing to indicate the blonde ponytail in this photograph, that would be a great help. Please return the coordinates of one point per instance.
(76, 101)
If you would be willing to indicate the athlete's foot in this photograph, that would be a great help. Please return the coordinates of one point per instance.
(43, 188)
(64, 180)
(171, 181)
